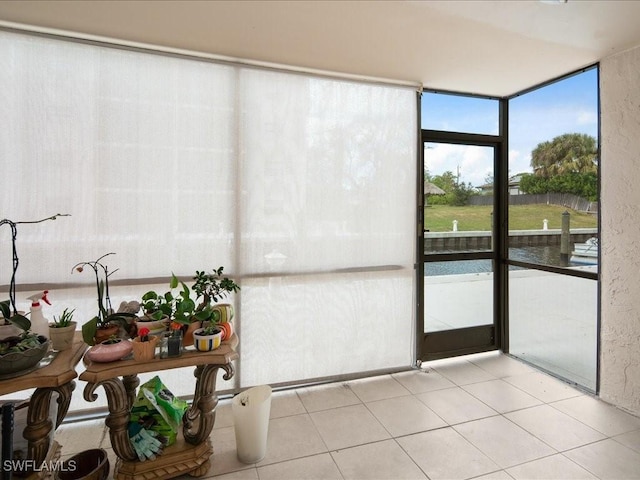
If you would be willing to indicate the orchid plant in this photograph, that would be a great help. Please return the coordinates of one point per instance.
(105, 315)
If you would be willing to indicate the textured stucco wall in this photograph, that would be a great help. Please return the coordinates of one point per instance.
(620, 230)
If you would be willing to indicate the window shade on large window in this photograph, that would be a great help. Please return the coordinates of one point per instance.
(302, 187)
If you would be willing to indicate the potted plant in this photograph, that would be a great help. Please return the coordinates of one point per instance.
(14, 323)
(144, 345)
(157, 310)
(20, 353)
(207, 338)
(106, 323)
(62, 330)
(183, 311)
(209, 289)
(171, 345)
(110, 350)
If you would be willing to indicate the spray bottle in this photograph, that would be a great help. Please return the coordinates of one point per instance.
(39, 324)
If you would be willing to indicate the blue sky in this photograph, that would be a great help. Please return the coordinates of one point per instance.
(567, 106)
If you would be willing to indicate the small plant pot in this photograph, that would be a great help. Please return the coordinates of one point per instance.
(187, 336)
(227, 330)
(62, 337)
(104, 333)
(171, 344)
(143, 351)
(109, 352)
(87, 465)
(206, 343)
(224, 312)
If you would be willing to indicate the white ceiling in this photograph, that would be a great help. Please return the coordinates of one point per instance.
(485, 47)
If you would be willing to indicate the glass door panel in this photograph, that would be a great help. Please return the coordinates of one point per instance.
(458, 249)
(458, 294)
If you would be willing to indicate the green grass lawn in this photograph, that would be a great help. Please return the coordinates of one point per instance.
(439, 218)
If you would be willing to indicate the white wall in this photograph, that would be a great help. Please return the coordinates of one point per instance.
(620, 208)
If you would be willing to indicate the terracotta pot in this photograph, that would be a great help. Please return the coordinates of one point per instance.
(187, 336)
(227, 330)
(62, 337)
(206, 343)
(104, 333)
(109, 352)
(143, 351)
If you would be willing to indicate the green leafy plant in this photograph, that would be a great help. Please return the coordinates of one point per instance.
(156, 306)
(211, 287)
(112, 340)
(14, 318)
(105, 316)
(184, 306)
(22, 342)
(210, 329)
(64, 320)
(179, 307)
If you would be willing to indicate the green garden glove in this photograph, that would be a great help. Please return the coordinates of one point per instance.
(145, 443)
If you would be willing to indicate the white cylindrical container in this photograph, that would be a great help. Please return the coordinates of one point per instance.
(251, 410)
(39, 324)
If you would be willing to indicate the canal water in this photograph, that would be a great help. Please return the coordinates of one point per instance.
(544, 255)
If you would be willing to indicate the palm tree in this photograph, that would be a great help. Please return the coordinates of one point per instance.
(568, 153)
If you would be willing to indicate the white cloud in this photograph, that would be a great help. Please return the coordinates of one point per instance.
(587, 118)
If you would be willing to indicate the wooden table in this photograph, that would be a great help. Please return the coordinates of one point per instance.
(191, 452)
(58, 376)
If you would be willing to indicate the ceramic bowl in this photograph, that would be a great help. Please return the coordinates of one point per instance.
(17, 363)
(87, 465)
(109, 352)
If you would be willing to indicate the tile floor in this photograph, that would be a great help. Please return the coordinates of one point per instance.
(485, 416)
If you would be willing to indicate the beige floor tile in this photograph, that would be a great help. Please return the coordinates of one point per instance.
(324, 397)
(555, 428)
(292, 437)
(378, 388)
(285, 404)
(548, 468)
(629, 439)
(503, 441)
(455, 405)
(316, 467)
(225, 457)
(380, 460)
(499, 475)
(542, 386)
(598, 415)
(500, 365)
(421, 380)
(463, 373)
(608, 460)
(501, 396)
(248, 474)
(348, 426)
(405, 415)
(445, 454)
(224, 415)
